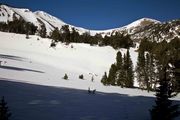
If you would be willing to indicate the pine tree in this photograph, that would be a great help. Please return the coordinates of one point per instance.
(55, 35)
(164, 110)
(42, 31)
(4, 110)
(129, 73)
(104, 79)
(81, 76)
(145, 70)
(112, 75)
(74, 35)
(140, 70)
(151, 72)
(120, 74)
(65, 77)
(66, 35)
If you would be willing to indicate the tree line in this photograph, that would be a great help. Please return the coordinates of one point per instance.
(18, 26)
(66, 35)
(153, 57)
(121, 73)
(158, 69)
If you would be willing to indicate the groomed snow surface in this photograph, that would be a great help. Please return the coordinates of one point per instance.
(32, 81)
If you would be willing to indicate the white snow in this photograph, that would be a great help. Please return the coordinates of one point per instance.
(54, 63)
(32, 81)
(138, 22)
(8, 14)
(33, 61)
(91, 61)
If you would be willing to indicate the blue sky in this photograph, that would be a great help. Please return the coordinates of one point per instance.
(103, 14)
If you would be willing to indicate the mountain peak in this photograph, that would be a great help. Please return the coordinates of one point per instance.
(142, 22)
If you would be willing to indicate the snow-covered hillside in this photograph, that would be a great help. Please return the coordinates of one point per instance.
(46, 66)
(33, 61)
(31, 81)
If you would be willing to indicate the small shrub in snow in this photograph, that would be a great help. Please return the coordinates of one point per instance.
(53, 44)
(81, 77)
(65, 77)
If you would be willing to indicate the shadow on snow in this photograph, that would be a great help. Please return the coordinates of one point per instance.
(35, 102)
(11, 57)
(19, 69)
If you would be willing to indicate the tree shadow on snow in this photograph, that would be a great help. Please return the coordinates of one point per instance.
(35, 102)
(11, 57)
(19, 69)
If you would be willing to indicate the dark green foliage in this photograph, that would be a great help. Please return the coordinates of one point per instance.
(116, 41)
(157, 55)
(81, 76)
(145, 70)
(164, 109)
(65, 77)
(177, 74)
(4, 110)
(119, 60)
(56, 36)
(121, 73)
(150, 73)
(53, 44)
(65, 32)
(140, 70)
(42, 31)
(128, 68)
(112, 75)
(162, 57)
(18, 26)
(74, 36)
(104, 79)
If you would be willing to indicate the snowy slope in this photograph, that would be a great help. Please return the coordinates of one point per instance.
(91, 61)
(31, 81)
(33, 61)
(6, 14)
(38, 18)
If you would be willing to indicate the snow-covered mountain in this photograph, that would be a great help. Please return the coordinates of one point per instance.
(138, 29)
(38, 18)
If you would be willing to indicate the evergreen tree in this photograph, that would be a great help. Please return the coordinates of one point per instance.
(65, 77)
(164, 110)
(128, 68)
(104, 79)
(74, 35)
(81, 76)
(120, 70)
(42, 31)
(140, 69)
(55, 35)
(119, 60)
(112, 75)
(4, 110)
(66, 35)
(151, 81)
(145, 69)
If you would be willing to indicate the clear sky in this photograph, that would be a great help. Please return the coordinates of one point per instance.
(103, 14)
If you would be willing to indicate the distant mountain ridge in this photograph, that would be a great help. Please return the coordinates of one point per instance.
(139, 29)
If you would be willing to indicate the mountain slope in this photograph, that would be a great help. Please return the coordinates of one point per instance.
(38, 18)
(145, 27)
